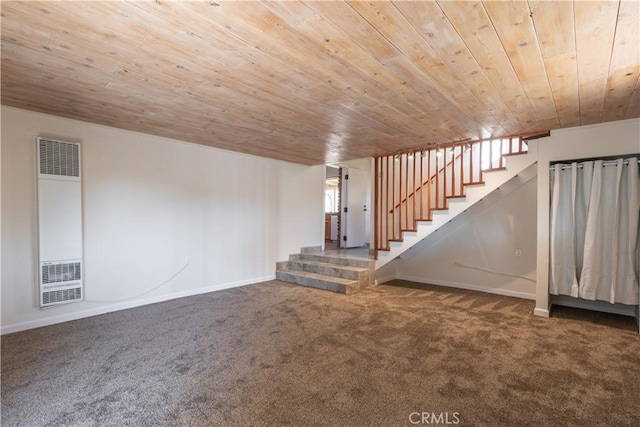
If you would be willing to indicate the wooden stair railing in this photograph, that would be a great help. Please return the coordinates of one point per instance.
(410, 185)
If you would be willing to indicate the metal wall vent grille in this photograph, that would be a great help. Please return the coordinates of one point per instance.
(61, 295)
(55, 273)
(59, 158)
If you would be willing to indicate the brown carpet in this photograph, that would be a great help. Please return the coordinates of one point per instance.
(278, 354)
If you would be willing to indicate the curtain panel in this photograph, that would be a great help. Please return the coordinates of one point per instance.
(595, 229)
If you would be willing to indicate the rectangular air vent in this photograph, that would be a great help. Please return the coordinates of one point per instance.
(61, 295)
(62, 272)
(59, 158)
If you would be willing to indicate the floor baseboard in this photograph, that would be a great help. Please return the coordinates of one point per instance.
(541, 312)
(497, 291)
(52, 320)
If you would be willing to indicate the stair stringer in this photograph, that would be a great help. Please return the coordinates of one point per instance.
(473, 194)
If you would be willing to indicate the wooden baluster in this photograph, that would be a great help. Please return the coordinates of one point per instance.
(471, 177)
(490, 154)
(438, 154)
(386, 207)
(406, 193)
(421, 185)
(429, 184)
(462, 169)
(399, 204)
(444, 178)
(414, 191)
(393, 199)
(480, 177)
(453, 171)
(383, 178)
(376, 222)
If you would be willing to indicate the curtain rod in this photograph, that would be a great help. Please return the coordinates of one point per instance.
(581, 165)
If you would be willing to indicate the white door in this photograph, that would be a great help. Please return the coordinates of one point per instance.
(355, 191)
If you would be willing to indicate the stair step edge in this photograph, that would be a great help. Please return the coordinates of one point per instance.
(315, 283)
(318, 276)
(349, 261)
(331, 265)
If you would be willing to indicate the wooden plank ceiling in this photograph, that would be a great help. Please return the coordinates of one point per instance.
(316, 82)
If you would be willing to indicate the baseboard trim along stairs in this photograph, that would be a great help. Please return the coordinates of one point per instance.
(335, 273)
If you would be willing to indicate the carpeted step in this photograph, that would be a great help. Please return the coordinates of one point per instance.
(329, 259)
(318, 281)
(326, 269)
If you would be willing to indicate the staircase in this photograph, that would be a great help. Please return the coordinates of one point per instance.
(418, 192)
(335, 273)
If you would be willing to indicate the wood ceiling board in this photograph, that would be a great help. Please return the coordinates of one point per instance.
(514, 26)
(554, 25)
(428, 68)
(562, 73)
(261, 78)
(428, 18)
(151, 49)
(382, 80)
(392, 85)
(595, 24)
(70, 34)
(14, 44)
(246, 67)
(78, 105)
(633, 110)
(369, 40)
(624, 68)
(250, 28)
(293, 12)
(360, 31)
(472, 23)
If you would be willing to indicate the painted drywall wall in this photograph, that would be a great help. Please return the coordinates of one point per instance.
(479, 253)
(601, 140)
(300, 210)
(153, 208)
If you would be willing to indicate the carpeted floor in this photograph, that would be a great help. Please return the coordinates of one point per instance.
(278, 354)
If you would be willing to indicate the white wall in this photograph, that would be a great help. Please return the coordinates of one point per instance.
(602, 140)
(151, 204)
(478, 253)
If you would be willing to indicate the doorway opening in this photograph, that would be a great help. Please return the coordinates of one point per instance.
(347, 208)
(332, 198)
